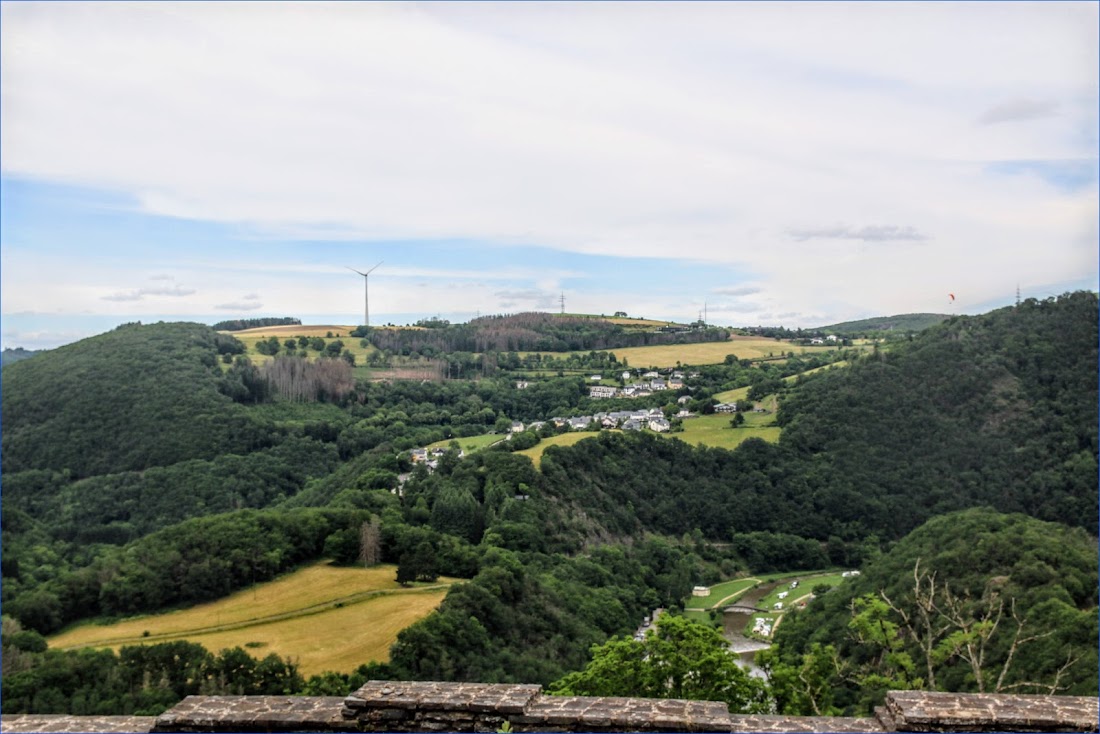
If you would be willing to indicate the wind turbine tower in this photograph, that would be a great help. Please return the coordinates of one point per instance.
(366, 292)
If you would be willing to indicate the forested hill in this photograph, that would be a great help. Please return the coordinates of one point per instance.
(133, 398)
(901, 323)
(532, 332)
(987, 582)
(996, 410)
(11, 356)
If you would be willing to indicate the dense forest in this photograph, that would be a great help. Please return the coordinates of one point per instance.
(10, 356)
(903, 323)
(242, 324)
(154, 466)
(532, 332)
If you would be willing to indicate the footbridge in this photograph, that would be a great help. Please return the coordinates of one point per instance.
(743, 608)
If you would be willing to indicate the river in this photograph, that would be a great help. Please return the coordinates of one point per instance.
(734, 623)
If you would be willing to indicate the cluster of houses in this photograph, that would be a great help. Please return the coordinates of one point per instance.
(651, 382)
(430, 457)
(628, 420)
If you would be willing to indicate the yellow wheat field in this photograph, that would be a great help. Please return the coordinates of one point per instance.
(323, 617)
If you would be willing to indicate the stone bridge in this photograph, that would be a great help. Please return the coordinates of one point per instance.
(744, 608)
(396, 706)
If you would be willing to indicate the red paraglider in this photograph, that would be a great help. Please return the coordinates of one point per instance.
(952, 297)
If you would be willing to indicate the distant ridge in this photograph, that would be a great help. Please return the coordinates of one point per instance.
(16, 355)
(901, 322)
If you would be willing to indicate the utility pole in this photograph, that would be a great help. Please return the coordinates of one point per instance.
(1017, 294)
(563, 302)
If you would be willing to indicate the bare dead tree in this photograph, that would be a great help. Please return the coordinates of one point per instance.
(926, 626)
(370, 542)
(1049, 688)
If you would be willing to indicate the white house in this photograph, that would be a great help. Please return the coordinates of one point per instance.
(701, 591)
(602, 391)
(626, 376)
(660, 425)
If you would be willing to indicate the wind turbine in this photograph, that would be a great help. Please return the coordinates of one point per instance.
(366, 292)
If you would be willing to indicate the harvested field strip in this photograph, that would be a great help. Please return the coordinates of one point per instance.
(253, 621)
(323, 617)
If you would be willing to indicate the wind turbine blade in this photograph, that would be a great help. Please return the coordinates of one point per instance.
(356, 271)
(373, 269)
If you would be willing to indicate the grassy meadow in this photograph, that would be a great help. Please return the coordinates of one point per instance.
(714, 430)
(323, 617)
(562, 439)
(469, 444)
(722, 594)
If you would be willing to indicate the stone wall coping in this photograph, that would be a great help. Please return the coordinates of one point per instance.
(68, 723)
(503, 698)
(433, 706)
(631, 714)
(255, 713)
(779, 724)
(936, 711)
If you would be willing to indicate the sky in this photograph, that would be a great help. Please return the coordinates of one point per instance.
(774, 163)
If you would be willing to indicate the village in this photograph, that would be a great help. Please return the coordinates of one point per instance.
(653, 419)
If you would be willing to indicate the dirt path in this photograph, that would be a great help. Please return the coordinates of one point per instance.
(733, 596)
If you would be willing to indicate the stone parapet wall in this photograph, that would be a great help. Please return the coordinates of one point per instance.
(402, 706)
(934, 711)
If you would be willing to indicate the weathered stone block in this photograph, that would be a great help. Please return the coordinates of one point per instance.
(500, 698)
(934, 711)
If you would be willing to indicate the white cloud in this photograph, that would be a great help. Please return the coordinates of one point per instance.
(868, 233)
(707, 131)
(1019, 109)
(243, 305)
(174, 291)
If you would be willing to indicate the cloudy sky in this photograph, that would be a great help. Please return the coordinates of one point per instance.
(779, 163)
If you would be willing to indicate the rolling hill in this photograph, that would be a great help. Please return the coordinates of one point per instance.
(901, 323)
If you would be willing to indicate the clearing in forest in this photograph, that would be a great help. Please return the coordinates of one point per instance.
(714, 430)
(562, 439)
(469, 444)
(669, 355)
(323, 617)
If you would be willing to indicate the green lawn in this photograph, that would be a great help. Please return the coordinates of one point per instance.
(733, 396)
(714, 430)
(721, 594)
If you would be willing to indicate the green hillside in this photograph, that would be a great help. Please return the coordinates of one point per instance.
(133, 398)
(902, 323)
(996, 410)
(11, 356)
(1030, 577)
(134, 483)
